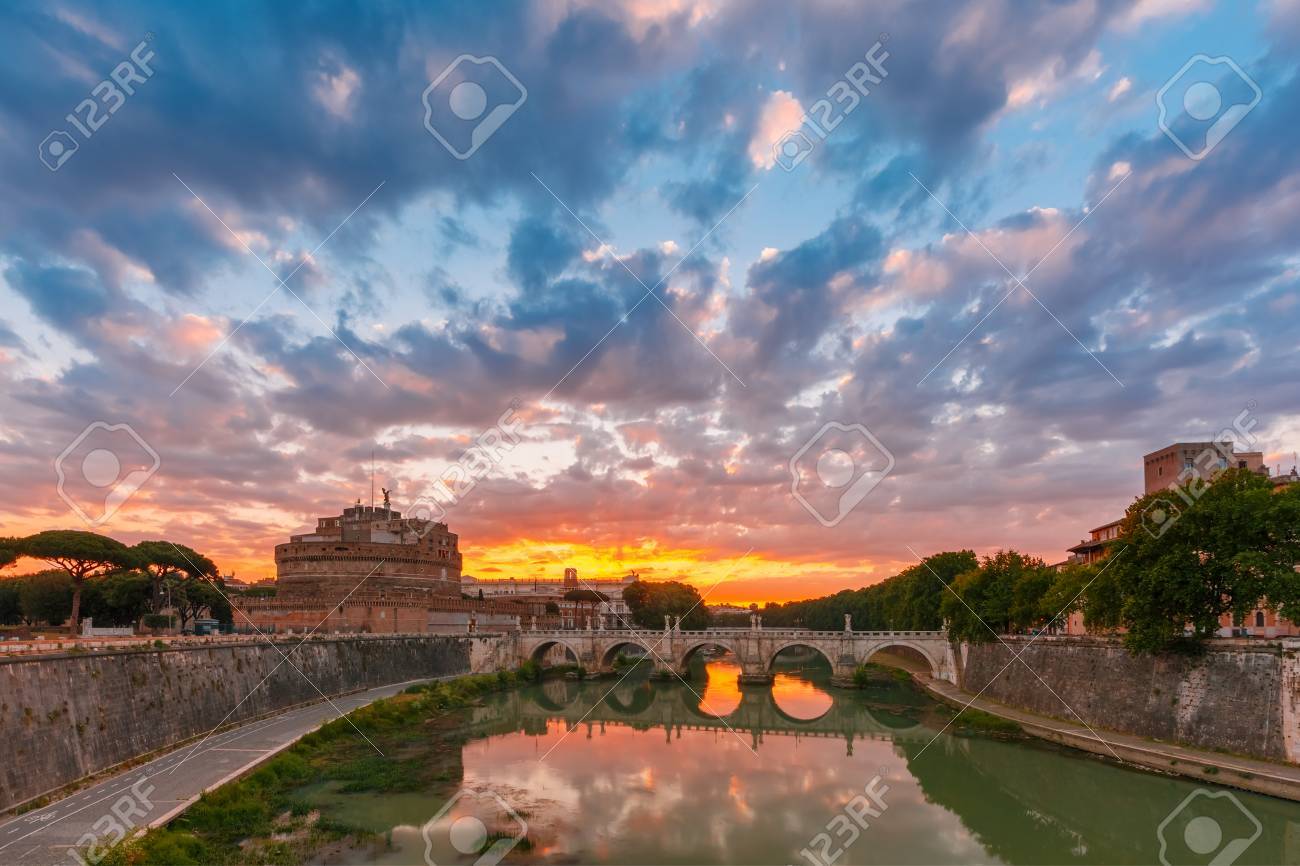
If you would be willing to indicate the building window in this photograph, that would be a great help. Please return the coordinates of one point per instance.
(1259, 619)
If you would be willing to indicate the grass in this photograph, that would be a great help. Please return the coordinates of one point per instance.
(870, 673)
(235, 823)
(973, 721)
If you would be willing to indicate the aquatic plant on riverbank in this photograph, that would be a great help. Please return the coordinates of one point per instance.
(263, 819)
(972, 721)
(873, 674)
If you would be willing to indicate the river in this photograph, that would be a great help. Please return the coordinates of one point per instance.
(648, 772)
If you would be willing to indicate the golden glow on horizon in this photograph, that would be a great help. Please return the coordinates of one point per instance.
(722, 579)
(722, 576)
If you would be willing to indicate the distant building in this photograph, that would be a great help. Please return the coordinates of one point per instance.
(1094, 548)
(543, 590)
(374, 547)
(1175, 465)
(371, 570)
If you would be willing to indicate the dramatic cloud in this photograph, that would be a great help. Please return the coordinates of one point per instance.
(670, 315)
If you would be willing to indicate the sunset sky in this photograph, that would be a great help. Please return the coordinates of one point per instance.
(629, 264)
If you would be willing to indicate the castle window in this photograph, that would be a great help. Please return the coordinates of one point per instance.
(1259, 619)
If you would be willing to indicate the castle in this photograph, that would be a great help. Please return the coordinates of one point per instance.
(371, 570)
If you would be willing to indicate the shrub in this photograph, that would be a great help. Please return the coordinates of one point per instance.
(977, 721)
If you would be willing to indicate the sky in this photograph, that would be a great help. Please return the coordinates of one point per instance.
(772, 297)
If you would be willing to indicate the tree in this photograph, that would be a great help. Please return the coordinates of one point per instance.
(910, 599)
(118, 599)
(9, 551)
(650, 601)
(192, 597)
(1069, 592)
(163, 560)
(11, 612)
(82, 555)
(586, 599)
(11, 606)
(993, 599)
(45, 597)
(1222, 548)
(1027, 608)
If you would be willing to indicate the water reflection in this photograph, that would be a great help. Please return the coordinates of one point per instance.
(642, 771)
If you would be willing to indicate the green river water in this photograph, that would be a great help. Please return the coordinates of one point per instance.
(648, 772)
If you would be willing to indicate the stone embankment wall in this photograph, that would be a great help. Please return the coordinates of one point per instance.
(69, 716)
(1240, 696)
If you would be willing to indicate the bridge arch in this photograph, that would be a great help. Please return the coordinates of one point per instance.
(936, 664)
(542, 647)
(797, 642)
(695, 646)
(612, 649)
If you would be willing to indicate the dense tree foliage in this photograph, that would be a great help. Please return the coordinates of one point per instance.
(909, 600)
(192, 597)
(118, 599)
(82, 555)
(650, 601)
(1003, 595)
(1222, 548)
(11, 605)
(9, 552)
(104, 579)
(164, 561)
(45, 597)
(1218, 549)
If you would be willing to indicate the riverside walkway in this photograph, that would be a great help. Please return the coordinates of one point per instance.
(1250, 774)
(153, 793)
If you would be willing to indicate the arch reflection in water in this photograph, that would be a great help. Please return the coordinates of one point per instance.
(800, 702)
(638, 771)
(801, 677)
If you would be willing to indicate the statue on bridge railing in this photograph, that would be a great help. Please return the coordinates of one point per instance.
(848, 622)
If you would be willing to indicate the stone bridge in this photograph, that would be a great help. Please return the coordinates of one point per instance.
(755, 648)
